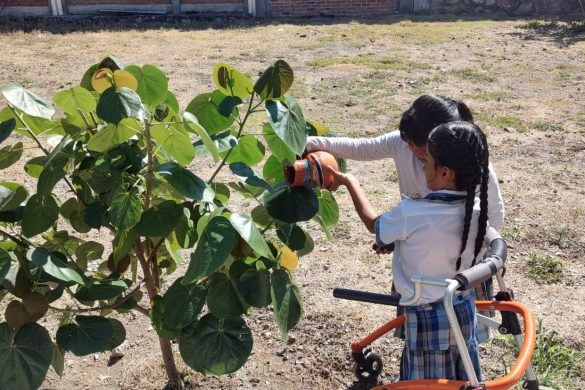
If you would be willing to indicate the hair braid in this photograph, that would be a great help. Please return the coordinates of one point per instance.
(466, 224)
(483, 198)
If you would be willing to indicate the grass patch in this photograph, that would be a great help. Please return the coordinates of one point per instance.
(513, 232)
(490, 96)
(474, 75)
(548, 126)
(502, 121)
(369, 60)
(555, 364)
(547, 269)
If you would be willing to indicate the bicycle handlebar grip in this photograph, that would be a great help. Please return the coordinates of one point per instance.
(487, 268)
(364, 296)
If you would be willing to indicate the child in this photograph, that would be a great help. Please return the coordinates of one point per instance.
(439, 235)
(407, 146)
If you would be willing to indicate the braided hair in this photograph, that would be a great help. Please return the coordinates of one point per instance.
(462, 147)
(426, 113)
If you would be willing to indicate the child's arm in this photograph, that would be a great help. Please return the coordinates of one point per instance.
(360, 202)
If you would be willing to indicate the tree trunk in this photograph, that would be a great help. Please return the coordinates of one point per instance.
(175, 380)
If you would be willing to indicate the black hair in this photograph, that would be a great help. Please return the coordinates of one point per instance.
(462, 147)
(426, 113)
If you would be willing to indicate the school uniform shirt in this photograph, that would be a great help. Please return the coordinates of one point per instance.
(427, 234)
(410, 170)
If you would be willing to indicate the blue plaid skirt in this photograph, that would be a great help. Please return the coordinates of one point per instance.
(430, 351)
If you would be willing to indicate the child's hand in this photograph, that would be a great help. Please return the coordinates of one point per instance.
(339, 178)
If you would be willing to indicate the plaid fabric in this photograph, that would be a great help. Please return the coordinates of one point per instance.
(430, 351)
(484, 292)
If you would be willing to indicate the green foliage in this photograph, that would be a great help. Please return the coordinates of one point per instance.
(547, 269)
(119, 150)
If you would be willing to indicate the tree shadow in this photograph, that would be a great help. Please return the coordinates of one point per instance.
(564, 32)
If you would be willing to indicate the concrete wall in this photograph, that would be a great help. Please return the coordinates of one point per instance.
(279, 8)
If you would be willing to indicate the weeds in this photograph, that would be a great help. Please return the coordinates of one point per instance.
(474, 75)
(547, 269)
(513, 232)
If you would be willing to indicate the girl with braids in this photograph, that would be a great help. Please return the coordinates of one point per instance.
(440, 235)
(407, 147)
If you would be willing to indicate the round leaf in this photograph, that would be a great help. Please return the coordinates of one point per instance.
(74, 99)
(254, 286)
(113, 135)
(101, 290)
(182, 304)
(222, 298)
(35, 166)
(158, 221)
(288, 123)
(249, 151)
(186, 182)
(232, 82)
(175, 142)
(117, 104)
(292, 235)
(91, 334)
(328, 214)
(10, 154)
(40, 213)
(214, 345)
(6, 128)
(28, 102)
(205, 107)
(279, 148)
(53, 265)
(5, 262)
(25, 356)
(215, 244)
(195, 127)
(118, 334)
(286, 301)
(152, 84)
(275, 81)
(11, 195)
(273, 170)
(125, 209)
(291, 204)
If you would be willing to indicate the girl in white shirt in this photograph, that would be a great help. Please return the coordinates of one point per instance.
(440, 234)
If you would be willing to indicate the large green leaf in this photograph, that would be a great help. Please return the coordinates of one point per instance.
(51, 174)
(185, 232)
(261, 217)
(222, 298)
(53, 265)
(286, 301)
(279, 148)
(273, 170)
(249, 151)
(11, 195)
(247, 229)
(27, 102)
(291, 204)
(160, 220)
(288, 123)
(175, 142)
(186, 182)
(10, 154)
(34, 166)
(291, 235)
(205, 138)
(101, 290)
(117, 104)
(113, 135)
(25, 356)
(58, 360)
(5, 262)
(74, 99)
(205, 107)
(232, 82)
(122, 243)
(275, 80)
(91, 334)
(152, 83)
(249, 176)
(118, 334)
(6, 128)
(215, 244)
(40, 213)
(254, 287)
(183, 303)
(215, 345)
(126, 209)
(328, 214)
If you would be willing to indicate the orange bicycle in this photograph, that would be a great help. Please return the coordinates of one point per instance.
(368, 365)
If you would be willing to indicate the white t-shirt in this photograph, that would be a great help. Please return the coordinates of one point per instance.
(427, 235)
(410, 170)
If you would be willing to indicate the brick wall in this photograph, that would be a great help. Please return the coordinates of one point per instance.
(280, 8)
(479, 7)
(25, 3)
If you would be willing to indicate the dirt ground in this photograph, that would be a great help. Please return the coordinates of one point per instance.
(525, 86)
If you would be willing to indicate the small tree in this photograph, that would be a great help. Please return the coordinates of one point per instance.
(116, 160)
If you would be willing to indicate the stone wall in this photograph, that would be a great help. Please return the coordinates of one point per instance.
(506, 7)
